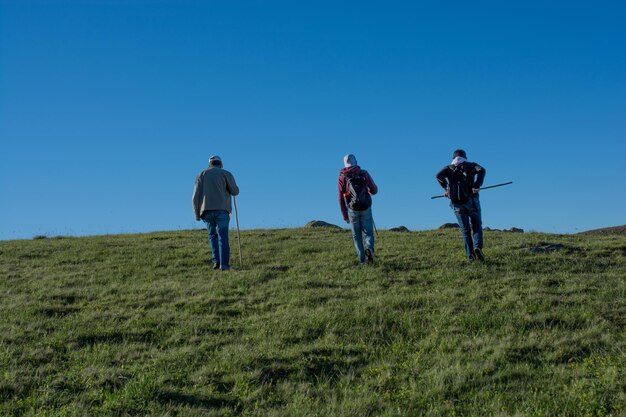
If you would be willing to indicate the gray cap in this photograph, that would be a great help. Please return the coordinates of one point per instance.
(215, 160)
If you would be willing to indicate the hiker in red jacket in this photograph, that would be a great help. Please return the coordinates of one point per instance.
(356, 187)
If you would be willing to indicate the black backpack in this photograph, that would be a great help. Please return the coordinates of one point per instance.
(358, 197)
(460, 184)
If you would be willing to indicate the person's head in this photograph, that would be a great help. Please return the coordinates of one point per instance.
(349, 160)
(215, 161)
(459, 152)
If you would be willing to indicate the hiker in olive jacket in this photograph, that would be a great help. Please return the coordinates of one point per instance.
(461, 181)
(212, 204)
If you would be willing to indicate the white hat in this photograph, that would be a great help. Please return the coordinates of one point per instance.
(349, 160)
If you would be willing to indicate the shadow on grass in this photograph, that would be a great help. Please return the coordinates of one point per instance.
(311, 366)
(57, 311)
(330, 364)
(197, 401)
(61, 306)
(313, 284)
(273, 371)
(554, 322)
(527, 354)
(91, 339)
(390, 265)
(280, 268)
(9, 390)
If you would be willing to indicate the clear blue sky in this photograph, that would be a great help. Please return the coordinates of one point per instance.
(109, 110)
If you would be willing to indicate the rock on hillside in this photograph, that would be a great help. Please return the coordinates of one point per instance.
(615, 230)
(545, 248)
(511, 230)
(402, 229)
(319, 223)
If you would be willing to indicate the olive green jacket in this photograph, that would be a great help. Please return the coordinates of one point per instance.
(212, 191)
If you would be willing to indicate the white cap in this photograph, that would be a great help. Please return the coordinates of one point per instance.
(349, 160)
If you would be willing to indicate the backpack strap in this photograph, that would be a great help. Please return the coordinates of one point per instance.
(346, 193)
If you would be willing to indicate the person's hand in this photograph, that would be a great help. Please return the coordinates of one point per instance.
(197, 219)
(346, 220)
(475, 190)
(446, 194)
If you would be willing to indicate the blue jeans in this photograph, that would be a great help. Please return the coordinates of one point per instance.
(217, 225)
(362, 222)
(468, 216)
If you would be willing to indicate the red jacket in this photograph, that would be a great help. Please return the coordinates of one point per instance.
(343, 189)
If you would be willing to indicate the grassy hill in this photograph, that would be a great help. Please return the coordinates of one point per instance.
(141, 325)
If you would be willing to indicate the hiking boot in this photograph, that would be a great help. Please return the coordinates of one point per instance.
(225, 267)
(478, 253)
(369, 256)
(216, 265)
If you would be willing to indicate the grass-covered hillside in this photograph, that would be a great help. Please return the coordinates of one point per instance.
(141, 325)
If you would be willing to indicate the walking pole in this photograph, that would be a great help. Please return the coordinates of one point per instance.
(238, 237)
(377, 235)
(480, 189)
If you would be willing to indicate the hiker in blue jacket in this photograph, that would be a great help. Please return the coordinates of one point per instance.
(461, 181)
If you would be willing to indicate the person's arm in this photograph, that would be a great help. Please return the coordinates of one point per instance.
(480, 177)
(196, 199)
(342, 201)
(231, 185)
(371, 186)
(442, 177)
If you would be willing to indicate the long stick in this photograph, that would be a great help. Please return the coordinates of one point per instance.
(497, 185)
(483, 188)
(238, 237)
(377, 235)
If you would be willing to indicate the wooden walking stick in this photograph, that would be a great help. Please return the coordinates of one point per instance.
(238, 236)
(380, 246)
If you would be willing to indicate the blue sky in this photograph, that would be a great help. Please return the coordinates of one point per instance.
(109, 109)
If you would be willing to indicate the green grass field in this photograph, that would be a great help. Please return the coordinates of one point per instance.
(141, 325)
